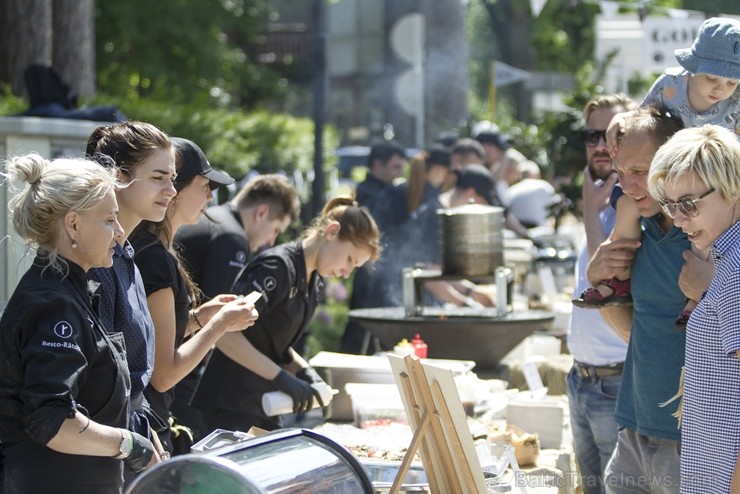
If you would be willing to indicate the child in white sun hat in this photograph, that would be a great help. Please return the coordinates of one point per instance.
(704, 89)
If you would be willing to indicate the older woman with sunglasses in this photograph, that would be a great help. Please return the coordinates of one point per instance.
(696, 177)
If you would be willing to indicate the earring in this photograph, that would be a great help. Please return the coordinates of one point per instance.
(74, 244)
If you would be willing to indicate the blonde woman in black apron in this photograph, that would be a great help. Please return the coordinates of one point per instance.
(65, 386)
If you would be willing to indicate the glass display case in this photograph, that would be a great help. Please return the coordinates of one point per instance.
(297, 461)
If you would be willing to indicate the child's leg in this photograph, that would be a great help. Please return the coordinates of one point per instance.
(691, 304)
(626, 226)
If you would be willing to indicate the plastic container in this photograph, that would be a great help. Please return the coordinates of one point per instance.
(279, 403)
(376, 404)
(339, 369)
(420, 348)
(403, 348)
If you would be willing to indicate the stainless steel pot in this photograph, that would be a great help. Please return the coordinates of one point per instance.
(472, 239)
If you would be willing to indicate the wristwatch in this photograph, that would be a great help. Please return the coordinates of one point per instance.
(126, 446)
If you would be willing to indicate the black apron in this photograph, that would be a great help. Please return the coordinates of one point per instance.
(30, 467)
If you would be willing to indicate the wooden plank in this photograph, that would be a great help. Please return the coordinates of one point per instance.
(414, 414)
(410, 452)
(454, 444)
(442, 458)
(453, 416)
(441, 432)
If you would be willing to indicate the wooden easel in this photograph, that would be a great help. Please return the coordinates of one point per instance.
(441, 434)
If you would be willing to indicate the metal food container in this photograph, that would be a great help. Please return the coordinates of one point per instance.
(298, 461)
(472, 239)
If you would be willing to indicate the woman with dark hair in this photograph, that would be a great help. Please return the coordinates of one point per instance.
(428, 172)
(394, 210)
(143, 159)
(171, 296)
(289, 277)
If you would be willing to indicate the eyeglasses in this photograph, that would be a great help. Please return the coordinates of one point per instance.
(686, 206)
(592, 137)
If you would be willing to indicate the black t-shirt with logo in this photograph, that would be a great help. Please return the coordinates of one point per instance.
(287, 305)
(214, 250)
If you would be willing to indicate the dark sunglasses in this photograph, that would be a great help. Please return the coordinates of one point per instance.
(686, 206)
(592, 137)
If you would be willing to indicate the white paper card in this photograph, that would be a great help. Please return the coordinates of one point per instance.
(532, 376)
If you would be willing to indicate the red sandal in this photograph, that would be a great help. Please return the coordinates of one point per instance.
(591, 298)
(683, 319)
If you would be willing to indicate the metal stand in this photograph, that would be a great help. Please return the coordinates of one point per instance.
(414, 278)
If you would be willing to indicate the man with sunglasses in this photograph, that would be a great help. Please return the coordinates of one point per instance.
(598, 350)
(646, 457)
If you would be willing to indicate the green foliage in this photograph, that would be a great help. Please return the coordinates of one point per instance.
(236, 141)
(184, 51)
(482, 48)
(563, 35)
(9, 103)
(713, 8)
(327, 326)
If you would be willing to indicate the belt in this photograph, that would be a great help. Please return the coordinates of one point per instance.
(594, 371)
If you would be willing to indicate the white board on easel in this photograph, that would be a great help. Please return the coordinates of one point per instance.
(441, 433)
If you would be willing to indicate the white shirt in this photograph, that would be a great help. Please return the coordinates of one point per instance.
(590, 339)
(530, 200)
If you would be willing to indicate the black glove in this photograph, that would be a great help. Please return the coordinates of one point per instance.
(141, 453)
(309, 375)
(298, 389)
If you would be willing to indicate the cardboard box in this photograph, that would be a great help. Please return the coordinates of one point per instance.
(547, 416)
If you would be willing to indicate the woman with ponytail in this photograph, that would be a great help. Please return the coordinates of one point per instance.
(289, 277)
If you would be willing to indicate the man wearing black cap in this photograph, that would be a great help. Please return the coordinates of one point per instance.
(474, 184)
(385, 164)
(194, 163)
(466, 151)
(494, 145)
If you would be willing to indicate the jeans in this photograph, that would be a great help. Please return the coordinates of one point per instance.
(644, 464)
(592, 403)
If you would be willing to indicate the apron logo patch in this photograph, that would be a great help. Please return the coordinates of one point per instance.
(63, 329)
(269, 283)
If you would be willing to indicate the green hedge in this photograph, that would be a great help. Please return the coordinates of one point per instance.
(235, 141)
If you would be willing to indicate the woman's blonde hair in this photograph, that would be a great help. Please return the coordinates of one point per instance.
(52, 190)
(710, 152)
(356, 224)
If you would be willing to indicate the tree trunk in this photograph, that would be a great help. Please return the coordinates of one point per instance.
(445, 67)
(25, 38)
(74, 44)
